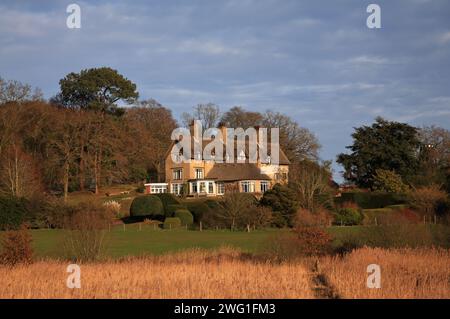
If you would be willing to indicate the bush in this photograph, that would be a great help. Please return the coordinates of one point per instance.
(185, 217)
(16, 247)
(427, 199)
(281, 199)
(85, 228)
(149, 206)
(171, 223)
(389, 216)
(168, 199)
(348, 216)
(198, 209)
(172, 208)
(13, 212)
(389, 182)
(369, 200)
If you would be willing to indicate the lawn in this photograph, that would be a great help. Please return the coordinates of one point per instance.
(132, 241)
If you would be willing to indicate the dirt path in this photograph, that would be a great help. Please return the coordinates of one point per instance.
(320, 285)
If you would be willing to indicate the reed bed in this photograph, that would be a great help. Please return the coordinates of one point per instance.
(405, 273)
(190, 274)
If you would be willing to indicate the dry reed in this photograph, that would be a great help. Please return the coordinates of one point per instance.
(405, 273)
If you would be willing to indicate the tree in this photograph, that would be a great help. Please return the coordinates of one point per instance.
(149, 126)
(96, 89)
(284, 203)
(426, 199)
(238, 117)
(15, 91)
(434, 156)
(389, 182)
(236, 205)
(311, 183)
(19, 175)
(208, 114)
(383, 145)
(297, 142)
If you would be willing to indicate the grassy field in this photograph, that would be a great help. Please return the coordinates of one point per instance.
(135, 242)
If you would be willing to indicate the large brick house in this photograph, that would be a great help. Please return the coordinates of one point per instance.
(200, 177)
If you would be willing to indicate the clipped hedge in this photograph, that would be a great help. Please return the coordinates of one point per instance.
(348, 217)
(171, 223)
(370, 200)
(198, 209)
(13, 212)
(167, 200)
(149, 206)
(185, 216)
(172, 208)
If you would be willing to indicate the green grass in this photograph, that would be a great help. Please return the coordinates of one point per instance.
(135, 242)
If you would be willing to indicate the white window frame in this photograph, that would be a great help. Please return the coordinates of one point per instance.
(197, 175)
(220, 188)
(264, 188)
(250, 185)
(177, 174)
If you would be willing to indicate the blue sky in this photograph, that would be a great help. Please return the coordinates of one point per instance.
(313, 60)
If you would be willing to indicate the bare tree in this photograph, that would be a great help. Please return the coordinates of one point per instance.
(15, 91)
(236, 205)
(208, 114)
(309, 180)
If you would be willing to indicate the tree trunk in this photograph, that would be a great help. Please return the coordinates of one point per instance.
(66, 180)
(81, 171)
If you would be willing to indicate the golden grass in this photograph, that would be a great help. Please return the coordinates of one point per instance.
(405, 273)
(190, 274)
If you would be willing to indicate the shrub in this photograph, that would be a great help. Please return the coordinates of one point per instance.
(13, 212)
(114, 208)
(171, 223)
(172, 208)
(389, 182)
(85, 232)
(16, 247)
(185, 216)
(369, 200)
(213, 216)
(198, 209)
(168, 199)
(281, 199)
(348, 217)
(426, 199)
(147, 206)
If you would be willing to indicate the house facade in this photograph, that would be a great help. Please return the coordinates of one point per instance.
(199, 177)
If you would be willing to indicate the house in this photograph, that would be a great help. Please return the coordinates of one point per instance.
(200, 177)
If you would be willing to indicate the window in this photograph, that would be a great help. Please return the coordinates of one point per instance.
(194, 187)
(220, 188)
(277, 176)
(177, 189)
(178, 173)
(264, 186)
(158, 189)
(199, 173)
(202, 187)
(248, 187)
(210, 187)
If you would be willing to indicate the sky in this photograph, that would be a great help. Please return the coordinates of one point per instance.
(316, 61)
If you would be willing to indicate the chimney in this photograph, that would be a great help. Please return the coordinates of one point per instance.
(223, 130)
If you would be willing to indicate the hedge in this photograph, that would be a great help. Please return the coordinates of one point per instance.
(348, 217)
(167, 200)
(13, 212)
(149, 206)
(369, 200)
(172, 222)
(185, 216)
(172, 208)
(198, 209)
